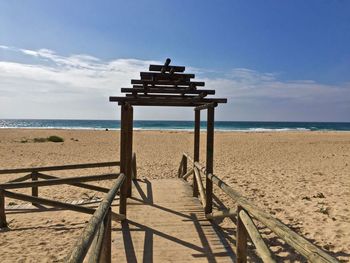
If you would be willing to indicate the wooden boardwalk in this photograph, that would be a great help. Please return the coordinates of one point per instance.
(166, 224)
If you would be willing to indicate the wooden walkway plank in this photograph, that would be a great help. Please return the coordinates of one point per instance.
(167, 224)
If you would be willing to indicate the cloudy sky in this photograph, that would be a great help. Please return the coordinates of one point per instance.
(281, 60)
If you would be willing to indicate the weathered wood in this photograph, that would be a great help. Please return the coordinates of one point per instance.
(221, 214)
(189, 173)
(130, 116)
(167, 89)
(184, 166)
(3, 222)
(168, 82)
(170, 68)
(241, 239)
(166, 64)
(261, 248)
(21, 179)
(196, 147)
(61, 167)
(200, 187)
(205, 106)
(81, 185)
(165, 76)
(68, 180)
(209, 159)
(44, 201)
(134, 167)
(82, 246)
(106, 249)
(35, 189)
(96, 245)
(123, 135)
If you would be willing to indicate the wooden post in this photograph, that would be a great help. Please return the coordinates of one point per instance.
(134, 167)
(3, 222)
(123, 190)
(184, 166)
(35, 189)
(197, 124)
(106, 250)
(241, 239)
(130, 115)
(210, 159)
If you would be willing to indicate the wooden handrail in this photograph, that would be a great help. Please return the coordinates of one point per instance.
(68, 180)
(261, 248)
(197, 177)
(83, 244)
(300, 244)
(61, 167)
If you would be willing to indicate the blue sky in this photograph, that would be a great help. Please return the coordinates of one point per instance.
(274, 60)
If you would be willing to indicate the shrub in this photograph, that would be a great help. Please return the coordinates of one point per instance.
(54, 138)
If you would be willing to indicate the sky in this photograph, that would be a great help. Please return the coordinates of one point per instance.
(274, 60)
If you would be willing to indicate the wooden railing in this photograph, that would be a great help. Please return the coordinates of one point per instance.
(97, 233)
(49, 180)
(245, 225)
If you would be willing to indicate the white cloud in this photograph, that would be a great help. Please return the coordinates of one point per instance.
(78, 86)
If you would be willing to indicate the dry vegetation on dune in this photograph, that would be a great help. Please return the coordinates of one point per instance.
(302, 178)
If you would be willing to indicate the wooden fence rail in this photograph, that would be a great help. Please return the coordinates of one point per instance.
(246, 226)
(101, 250)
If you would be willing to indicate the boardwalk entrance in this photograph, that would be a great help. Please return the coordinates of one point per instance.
(166, 225)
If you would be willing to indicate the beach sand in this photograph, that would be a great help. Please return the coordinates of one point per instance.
(301, 178)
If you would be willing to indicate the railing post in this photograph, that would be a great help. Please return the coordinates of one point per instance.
(3, 222)
(197, 120)
(35, 189)
(184, 166)
(130, 117)
(209, 159)
(134, 166)
(106, 250)
(241, 239)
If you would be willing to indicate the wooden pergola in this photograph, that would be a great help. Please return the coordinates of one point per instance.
(166, 85)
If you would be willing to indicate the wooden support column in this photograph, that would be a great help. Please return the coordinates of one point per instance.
(130, 114)
(123, 129)
(35, 189)
(210, 159)
(241, 239)
(197, 124)
(3, 222)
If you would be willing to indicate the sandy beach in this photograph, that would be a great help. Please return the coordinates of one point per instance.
(301, 178)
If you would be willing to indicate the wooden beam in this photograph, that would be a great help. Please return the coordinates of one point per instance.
(209, 159)
(61, 167)
(188, 174)
(44, 201)
(170, 68)
(123, 135)
(68, 180)
(201, 189)
(83, 244)
(134, 167)
(166, 90)
(261, 248)
(221, 214)
(206, 106)
(35, 189)
(196, 147)
(165, 76)
(81, 185)
(130, 116)
(166, 65)
(21, 179)
(168, 82)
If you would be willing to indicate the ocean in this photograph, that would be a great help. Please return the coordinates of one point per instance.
(175, 125)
